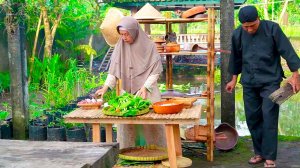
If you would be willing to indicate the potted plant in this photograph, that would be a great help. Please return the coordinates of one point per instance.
(75, 132)
(56, 130)
(5, 123)
(37, 123)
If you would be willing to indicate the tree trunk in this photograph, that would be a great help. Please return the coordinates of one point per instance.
(55, 25)
(48, 36)
(183, 28)
(227, 26)
(18, 69)
(92, 56)
(286, 2)
(147, 29)
(34, 47)
(266, 14)
(36, 36)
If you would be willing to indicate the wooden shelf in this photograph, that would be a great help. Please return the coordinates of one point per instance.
(185, 53)
(187, 64)
(166, 21)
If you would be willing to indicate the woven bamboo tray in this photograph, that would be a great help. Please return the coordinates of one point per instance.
(144, 111)
(144, 153)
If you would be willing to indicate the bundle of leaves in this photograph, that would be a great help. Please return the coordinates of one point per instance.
(126, 105)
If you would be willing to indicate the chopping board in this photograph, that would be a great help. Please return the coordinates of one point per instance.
(187, 102)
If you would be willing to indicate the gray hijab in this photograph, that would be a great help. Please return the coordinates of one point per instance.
(134, 63)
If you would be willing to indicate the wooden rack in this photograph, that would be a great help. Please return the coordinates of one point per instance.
(209, 128)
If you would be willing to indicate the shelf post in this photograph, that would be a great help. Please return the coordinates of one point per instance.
(210, 84)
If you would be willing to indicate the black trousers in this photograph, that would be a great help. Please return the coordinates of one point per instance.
(262, 119)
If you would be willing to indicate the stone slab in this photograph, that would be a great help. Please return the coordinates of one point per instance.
(52, 154)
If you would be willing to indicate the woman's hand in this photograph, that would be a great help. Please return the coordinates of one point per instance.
(100, 92)
(142, 92)
(231, 85)
(295, 81)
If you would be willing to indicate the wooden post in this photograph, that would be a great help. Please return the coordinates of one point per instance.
(169, 65)
(108, 133)
(119, 87)
(171, 145)
(169, 72)
(227, 26)
(18, 72)
(210, 84)
(177, 140)
(96, 133)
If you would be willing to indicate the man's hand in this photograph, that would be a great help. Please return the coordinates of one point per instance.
(231, 85)
(294, 80)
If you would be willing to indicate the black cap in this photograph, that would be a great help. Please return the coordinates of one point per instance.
(248, 14)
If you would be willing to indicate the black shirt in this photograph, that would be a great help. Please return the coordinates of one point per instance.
(257, 56)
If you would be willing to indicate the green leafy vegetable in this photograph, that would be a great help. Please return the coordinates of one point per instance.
(126, 105)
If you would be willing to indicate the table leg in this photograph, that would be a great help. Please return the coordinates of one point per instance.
(96, 133)
(171, 145)
(108, 133)
(177, 140)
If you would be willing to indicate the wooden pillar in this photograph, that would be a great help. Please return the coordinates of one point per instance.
(227, 26)
(18, 73)
(210, 84)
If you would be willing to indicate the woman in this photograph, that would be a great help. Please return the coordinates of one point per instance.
(136, 62)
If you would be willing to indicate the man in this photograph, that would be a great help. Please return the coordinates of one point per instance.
(256, 49)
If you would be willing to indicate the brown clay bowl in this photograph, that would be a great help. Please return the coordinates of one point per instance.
(230, 134)
(193, 11)
(170, 47)
(167, 107)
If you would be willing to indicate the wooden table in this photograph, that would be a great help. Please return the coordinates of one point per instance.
(171, 122)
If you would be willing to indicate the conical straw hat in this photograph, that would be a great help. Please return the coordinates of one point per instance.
(148, 12)
(109, 26)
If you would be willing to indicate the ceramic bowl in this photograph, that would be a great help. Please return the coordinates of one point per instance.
(167, 107)
(170, 47)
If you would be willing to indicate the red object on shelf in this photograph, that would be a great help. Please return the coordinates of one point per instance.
(171, 47)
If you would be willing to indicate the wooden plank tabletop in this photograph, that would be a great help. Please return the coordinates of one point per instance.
(186, 116)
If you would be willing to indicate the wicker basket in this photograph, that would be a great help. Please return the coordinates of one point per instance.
(144, 153)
